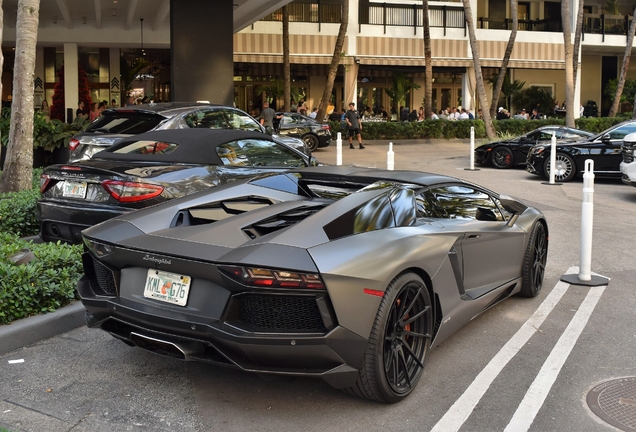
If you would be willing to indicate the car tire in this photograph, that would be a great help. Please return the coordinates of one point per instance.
(534, 261)
(398, 343)
(565, 168)
(311, 141)
(502, 158)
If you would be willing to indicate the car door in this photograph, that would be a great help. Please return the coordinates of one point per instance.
(606, 150)
(491, 250)
(293, 125)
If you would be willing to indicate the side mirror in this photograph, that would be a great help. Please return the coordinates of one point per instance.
(484, 214)
(606, 138)
(313, 161)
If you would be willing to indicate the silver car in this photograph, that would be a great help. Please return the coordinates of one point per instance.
(118, 123)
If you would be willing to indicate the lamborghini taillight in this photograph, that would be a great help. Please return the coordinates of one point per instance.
(261, 277)
(127, 192)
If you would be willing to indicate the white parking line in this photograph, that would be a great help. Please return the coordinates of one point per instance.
(538, 391)
(464, 406)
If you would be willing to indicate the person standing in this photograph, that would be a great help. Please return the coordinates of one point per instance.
(267, 117)
(354, 125)
(80, 109)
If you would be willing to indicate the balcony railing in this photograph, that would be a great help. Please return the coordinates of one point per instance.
(410, 15)
(312, 11)
(592, 23)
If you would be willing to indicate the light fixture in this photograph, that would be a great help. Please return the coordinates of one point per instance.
(143, 53)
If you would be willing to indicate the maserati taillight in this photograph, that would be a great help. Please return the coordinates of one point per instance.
(44, 182)
(268, 278)
(127, 192)
(73, 143)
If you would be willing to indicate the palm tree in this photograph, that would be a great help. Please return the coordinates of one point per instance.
(286, 67)
(626, 58)
(578, 31)
(428, 61)
(400, 87)
(18, 167)
(479, 78)
(504, 62)
(508, 88)
(335, 60)
(569, 68)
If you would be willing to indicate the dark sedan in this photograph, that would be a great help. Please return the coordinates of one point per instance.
(514, 151)
(150, 168)
(604, 149)
(295, 125)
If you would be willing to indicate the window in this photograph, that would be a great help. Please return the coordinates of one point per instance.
(209, 119)
(242, 121)
(147, 148)
(464, 202)
(125, 123)
(426, 206)
(622, 131)
(258, 153)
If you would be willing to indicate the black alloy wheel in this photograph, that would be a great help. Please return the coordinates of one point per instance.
(534, 261)
(399, 341)
(565, 168)
(502, 157)
(311, 141)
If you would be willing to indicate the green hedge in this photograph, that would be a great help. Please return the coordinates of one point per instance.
(461, 129)
(41, 286)
(17, 210)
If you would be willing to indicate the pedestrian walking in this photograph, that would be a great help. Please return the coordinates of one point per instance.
(354, 125)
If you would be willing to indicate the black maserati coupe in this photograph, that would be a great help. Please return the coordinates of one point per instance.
(150, 168)
(342, 273)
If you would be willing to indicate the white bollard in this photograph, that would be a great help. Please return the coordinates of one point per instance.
(552, 157)
(339, 149)
(472, 147)
(390, 158)
(587, 219)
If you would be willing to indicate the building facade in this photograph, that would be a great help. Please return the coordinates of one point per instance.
(383, 39)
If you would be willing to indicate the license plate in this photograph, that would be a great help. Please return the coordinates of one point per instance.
(168, 287)
(74, 189)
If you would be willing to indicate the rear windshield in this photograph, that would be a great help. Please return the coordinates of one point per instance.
(125, 123)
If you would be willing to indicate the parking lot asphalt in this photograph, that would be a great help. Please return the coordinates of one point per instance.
(85, 380)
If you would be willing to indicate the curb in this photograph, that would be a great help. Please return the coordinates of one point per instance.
(36, 328)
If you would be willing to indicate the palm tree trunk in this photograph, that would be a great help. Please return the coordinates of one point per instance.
(428, 62)
(506, 58)
(18, 166)
(479, 78)
(286, 66)
(626, 58)
(569, 68)
(335, 60)
(577, 39)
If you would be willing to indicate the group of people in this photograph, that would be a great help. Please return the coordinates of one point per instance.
(453, 114)
(96, 109)
(504, 114)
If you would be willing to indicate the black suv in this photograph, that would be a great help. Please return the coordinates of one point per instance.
(604, 149)
(118, 123)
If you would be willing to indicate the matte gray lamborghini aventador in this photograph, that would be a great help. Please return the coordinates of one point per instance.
(342, 273)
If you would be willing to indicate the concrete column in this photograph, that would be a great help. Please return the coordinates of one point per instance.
(351, 84)
(38, 79)
(577, 91)
(201, 39)
(115, 78)
(71, 79)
